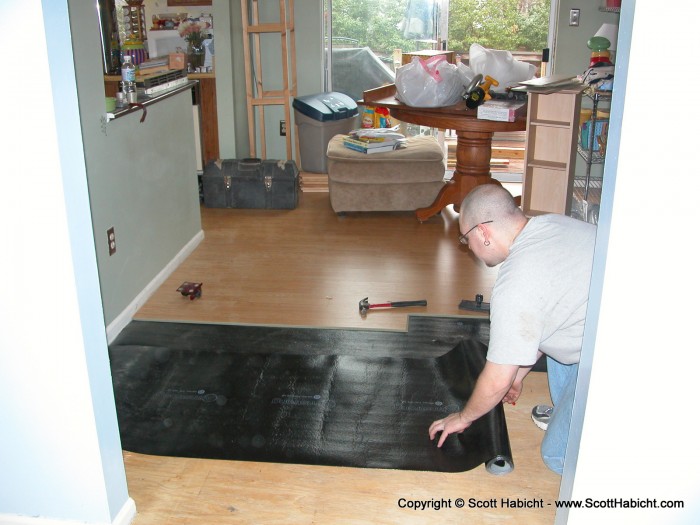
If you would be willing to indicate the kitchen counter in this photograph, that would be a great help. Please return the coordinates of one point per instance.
(144, 101)
(203, 86)
(191, 76)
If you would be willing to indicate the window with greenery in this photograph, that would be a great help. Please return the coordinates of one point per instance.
(369, 36)
(375, 24)
(515, 25)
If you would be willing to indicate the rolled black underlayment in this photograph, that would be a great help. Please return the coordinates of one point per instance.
(218, 402)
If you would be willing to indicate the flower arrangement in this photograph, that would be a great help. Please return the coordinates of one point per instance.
(193, 31)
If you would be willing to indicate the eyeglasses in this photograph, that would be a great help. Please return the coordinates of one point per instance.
(463, 238)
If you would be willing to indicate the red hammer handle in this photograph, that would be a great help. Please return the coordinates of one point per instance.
(380, 305)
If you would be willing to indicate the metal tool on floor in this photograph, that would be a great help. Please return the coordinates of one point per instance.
(365, 306)
(477, 305)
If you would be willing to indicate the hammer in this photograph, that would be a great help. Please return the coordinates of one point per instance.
(365, 306)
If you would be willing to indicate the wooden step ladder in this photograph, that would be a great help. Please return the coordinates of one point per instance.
(257, 97)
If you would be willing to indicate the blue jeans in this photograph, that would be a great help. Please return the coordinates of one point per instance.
(562, 387)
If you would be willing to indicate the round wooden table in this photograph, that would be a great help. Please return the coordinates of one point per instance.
(473, 151)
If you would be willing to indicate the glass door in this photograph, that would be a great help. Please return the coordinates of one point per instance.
(365, 40)
(519, 26)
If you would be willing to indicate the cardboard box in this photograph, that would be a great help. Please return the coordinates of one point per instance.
(176, 61)
(502, 110)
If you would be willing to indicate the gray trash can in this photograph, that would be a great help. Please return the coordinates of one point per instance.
(319, 118)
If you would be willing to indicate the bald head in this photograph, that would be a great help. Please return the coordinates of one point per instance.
(490, 202)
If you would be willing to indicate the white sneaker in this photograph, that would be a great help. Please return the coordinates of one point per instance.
(541, 415)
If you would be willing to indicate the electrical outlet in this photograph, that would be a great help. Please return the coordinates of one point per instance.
(111, 241)
(574, 17)
(283, 128)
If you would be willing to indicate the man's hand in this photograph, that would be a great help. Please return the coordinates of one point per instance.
(514, 392)
(454, 423)
(492, 386)
(517, 387)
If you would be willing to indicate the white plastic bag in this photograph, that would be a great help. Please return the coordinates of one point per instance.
(429, 83)
(499, 65)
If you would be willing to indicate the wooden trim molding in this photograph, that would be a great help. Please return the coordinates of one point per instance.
(124, 318)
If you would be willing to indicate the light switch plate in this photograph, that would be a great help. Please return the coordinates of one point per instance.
(574, 17)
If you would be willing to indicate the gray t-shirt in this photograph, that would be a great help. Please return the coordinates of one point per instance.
(540, 297)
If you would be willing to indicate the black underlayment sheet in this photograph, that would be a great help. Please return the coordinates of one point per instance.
(225, 392)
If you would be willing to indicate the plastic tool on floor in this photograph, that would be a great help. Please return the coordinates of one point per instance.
(365, 306)
(477, 305)
(191, 290)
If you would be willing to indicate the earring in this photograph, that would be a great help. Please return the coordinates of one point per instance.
(487, 243)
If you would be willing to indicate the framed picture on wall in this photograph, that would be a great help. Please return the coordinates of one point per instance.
(180, 3)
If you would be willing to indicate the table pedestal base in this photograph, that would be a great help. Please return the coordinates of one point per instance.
(473, 143)
(473, 167)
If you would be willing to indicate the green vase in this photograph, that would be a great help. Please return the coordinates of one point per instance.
(195, 56)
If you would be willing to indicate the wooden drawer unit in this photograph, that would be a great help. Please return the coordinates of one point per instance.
(552, 135)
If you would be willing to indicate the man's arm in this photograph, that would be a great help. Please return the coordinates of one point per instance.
(493, 384)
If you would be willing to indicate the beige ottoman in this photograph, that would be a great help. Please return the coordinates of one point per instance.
(401, 180)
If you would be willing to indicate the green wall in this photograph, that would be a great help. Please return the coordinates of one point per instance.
(141, 176)
(309, 65)
(572, 54)
(226, 87)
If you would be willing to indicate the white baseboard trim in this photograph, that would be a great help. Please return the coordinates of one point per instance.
(125, 517)
(125, 317)
(126, 514)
